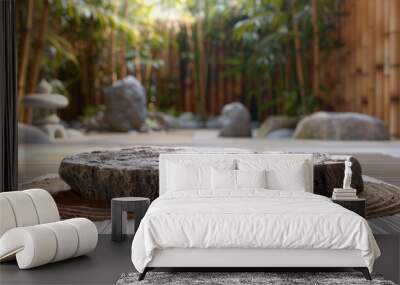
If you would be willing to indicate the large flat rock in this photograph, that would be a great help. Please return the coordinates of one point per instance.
(102, 175)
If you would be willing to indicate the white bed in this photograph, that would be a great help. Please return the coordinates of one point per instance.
(280, 225)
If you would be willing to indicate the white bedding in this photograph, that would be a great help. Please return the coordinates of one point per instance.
(250, 219)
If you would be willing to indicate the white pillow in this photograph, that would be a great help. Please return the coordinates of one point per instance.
(293, 181)
(223, 179)
(251, 179)
(281, 174)
(184, 177)
(230, 180)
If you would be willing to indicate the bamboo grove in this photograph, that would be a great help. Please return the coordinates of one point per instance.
(276, 56)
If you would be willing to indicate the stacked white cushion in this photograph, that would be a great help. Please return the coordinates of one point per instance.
(31, 232)
(87, 234)
(7, 218)
(46, 243)
(45, 206)
(24, 210)
(67, 237)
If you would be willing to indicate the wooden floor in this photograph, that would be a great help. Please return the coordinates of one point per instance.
(102, 266)
(386, 225)
(110, 259)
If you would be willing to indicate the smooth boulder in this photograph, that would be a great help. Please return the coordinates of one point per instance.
(102, 175)
(126, 105)
(280, 134)
(189, 120)
(235, 121)
(341, 126)
(28, 134)
(273, 123)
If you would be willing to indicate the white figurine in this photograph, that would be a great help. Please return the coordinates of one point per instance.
(347, 174)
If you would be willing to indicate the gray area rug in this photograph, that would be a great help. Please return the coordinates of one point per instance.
(269, 278)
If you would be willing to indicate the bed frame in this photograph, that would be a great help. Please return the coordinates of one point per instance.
(241, 259)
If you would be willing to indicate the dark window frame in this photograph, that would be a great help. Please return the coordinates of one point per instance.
(8, 104)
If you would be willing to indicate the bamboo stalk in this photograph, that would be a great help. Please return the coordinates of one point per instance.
(202, 76)
(111, 57)
(24, 53)
(37, 58)
(299, 63)
(213, 80)
(191, 71)
(122, 63)
(316, 69)
(220, 76)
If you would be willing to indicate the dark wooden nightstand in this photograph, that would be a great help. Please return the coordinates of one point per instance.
(356, 205)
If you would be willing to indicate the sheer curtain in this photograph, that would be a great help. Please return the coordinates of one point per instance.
(8, 119)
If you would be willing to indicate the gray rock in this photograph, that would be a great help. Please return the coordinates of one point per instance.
(188, 120)
(46, 101)
(171, 121)
(277, 122)
(280, 134)
(236, 121)
(125, 104)
(28, 134)
(214, 123)
(341, 126)
(164, 121)
(44, 87)
(102, 175)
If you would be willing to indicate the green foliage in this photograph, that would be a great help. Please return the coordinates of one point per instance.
(258, 32)
(91, 111)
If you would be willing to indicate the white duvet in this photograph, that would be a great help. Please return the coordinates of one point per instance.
(250, 219)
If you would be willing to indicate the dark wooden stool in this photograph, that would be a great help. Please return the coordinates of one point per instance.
(357, 205)
(120, 207)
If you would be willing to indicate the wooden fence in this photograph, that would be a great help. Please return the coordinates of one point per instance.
(364, 75)
(181, 84)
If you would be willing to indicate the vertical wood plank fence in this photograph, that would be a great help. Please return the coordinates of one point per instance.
(364, 75)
